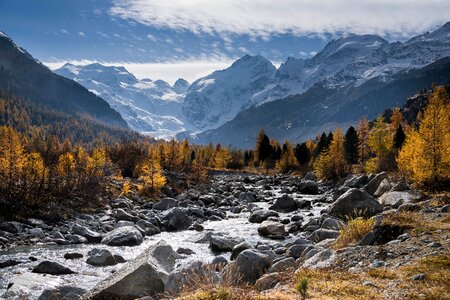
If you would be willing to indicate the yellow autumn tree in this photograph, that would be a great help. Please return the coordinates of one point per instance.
(288, 161)
(396, 119)
(425, 156)
(380, 141)
(363, 136)
(151, 173)
(199, 171)
(337, 154)
(34, 178)
(12, 157)
(100, 162)
(222, 158)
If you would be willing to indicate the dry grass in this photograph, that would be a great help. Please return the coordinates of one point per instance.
(382, 273)
(353, 232)
(417, 222)
(335, 284)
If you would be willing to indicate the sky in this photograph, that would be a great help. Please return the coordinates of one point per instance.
(169, 39)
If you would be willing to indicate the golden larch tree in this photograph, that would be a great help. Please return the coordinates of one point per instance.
(151, 173)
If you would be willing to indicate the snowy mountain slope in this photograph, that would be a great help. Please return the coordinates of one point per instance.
(219, 97)
(147, 106)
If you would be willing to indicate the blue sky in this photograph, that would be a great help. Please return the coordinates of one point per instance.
(189, 38)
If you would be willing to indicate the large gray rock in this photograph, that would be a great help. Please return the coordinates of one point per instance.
(239, 248)
(267, 282)
(308, 187)
(356, 181)
(176, 218)
(272, 229)
(165, 203)
(384, 187)
(283, 265)
(62, 293)
(144, 276)
(148, 228)
(284, 204)
(11, 227)
(322, 259)
(53, 268)
(332, 223)
(398, 198)
(122, 215)
(90, 235)
(123, 236)
(260, 215)
(224, 243)
(373, 184)
(323, 234)
(250, 265)
(354, 203)
(103, 257)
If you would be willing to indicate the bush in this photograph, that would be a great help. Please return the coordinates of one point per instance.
(354, 231)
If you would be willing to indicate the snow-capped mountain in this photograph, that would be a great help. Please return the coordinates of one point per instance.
(219, 97)
(148, 107)
(162, 110)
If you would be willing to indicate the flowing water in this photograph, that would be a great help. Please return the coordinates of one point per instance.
(88, 276)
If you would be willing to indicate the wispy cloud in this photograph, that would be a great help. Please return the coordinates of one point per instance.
(399, 18)
(81, 33)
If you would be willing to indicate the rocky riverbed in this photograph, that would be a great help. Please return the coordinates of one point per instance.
(250, 227)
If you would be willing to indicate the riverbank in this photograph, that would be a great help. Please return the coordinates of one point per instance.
(256, 230)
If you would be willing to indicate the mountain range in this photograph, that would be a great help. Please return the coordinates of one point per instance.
(352, 76)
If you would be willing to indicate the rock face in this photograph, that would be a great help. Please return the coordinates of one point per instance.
(284, 204)
(272, 229)
(144, 276)
(91, 236)
(53, 268)
(353, 203)
(224, 243)
(250, 265)
(62, 293)
(373, 184)
(123, 236)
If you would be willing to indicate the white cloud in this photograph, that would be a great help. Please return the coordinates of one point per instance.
(64, 31)
(190, 70)
(400, 18)
(81, 33)
(151, 37)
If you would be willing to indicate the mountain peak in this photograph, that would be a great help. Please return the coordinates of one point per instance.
(180, 86)
(247, 60)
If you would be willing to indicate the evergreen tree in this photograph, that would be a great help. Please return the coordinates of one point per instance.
(351, 146)
(321, 145)
(263, 149)
(399, 137)
(302, 153)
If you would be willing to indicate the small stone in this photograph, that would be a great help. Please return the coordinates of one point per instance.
(420, 276)
(73, 255)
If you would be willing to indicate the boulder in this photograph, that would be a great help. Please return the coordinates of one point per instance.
(310, 176)
(122, 215)
(9, 263)
(73, 255)
(176, 218)
(148, 228)
(53, 268)
(332, 223)
(272, 229)
(62, 293)
(144, 276)
(11, 227)
(218, 263)
(185, 251)
(76, 239)
(165, 204)
(373, 184)
(239, 248)
(354, 203)
(90, 235)
(267, 282)
(396, 199)
(103, 257)
(221, 243)
(283, 265)
(308, 187)
(123, 236)
(355, 181)
(296, 250)
(260, 215)
(322, 259)
(188, 274)
(323, 234)
(284, 204)
(250, 265)
(384, 187)
(247, 197)
(37, 233)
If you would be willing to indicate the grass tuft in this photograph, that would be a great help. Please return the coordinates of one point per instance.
(353, 232)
